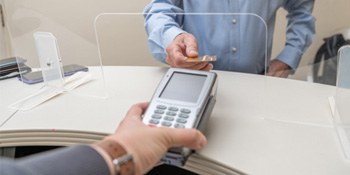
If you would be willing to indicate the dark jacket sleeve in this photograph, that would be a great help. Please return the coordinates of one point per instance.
(81, 159)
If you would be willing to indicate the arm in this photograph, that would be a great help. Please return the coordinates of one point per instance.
(168, 42)
(162, 24)
(97, 158)
(299, 35)
(81, 159)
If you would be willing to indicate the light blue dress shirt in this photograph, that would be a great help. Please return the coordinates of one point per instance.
(238, 32)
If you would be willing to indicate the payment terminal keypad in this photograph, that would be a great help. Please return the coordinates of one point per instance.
(169, 116)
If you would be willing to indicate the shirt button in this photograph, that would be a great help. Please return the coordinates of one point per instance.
(234, 49)
(234, 21)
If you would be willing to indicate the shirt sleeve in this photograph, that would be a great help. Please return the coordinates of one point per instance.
(81, 159)
(163, 21)
(300, 31)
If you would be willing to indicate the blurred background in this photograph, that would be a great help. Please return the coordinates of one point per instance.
(72, 22)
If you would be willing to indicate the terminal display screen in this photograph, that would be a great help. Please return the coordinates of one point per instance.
(184, 87)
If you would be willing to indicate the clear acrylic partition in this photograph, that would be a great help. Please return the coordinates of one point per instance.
(53, 51)
(341, 114)
(301, 100)
(123, 40)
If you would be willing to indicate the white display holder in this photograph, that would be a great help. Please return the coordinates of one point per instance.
(49, 59)
(53, 77)
(341, 112)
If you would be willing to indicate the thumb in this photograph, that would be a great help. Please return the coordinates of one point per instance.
(136, 110)
(190, 138)
(191, 46)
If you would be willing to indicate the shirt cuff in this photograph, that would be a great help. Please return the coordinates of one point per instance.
(170, 35)
(291, 56)
(106, 157)
(82, 159)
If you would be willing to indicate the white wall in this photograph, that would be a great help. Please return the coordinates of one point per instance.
(72, 23)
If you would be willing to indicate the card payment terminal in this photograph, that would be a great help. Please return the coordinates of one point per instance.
(183, 99)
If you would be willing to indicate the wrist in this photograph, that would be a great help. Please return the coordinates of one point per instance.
(122, 162)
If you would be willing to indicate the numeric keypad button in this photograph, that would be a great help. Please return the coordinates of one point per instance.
(158, 111)
(170, 113)
(154, 121)
(181, 120)
(169, 118)
(166, 124)
(178, 125)
(162, 107)
(181, 115)
(156, 116)
(186, 111)
(172, 108)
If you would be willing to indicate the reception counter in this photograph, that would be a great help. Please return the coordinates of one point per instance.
(260, 125)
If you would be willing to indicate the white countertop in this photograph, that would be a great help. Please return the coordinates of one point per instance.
(260, 125)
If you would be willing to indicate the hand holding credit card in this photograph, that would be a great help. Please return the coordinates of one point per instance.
(204, 58)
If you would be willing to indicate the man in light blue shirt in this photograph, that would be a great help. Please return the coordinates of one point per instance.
(234, 31)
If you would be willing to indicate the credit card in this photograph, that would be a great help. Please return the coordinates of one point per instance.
(204, 58)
